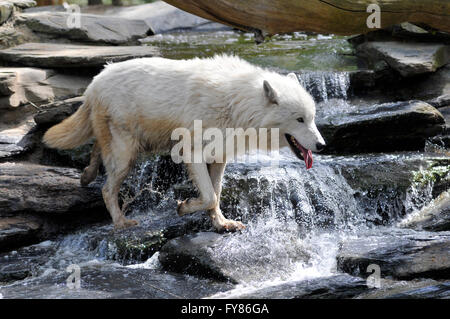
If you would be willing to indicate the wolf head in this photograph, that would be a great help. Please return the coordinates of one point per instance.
(292, 110)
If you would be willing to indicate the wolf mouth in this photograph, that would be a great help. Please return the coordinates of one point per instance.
(300, 151)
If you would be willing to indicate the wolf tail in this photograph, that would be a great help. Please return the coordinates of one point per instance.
(73, 131)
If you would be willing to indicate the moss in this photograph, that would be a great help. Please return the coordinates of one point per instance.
(437, 171)
(139, 249)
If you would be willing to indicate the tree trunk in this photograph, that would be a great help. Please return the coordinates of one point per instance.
(344, 17)
(94, 2)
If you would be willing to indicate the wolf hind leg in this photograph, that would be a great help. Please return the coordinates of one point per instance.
(91, 171)
(219, 221)
(118, 151)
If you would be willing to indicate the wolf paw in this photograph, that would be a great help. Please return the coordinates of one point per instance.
(181, 207)
(230, 226)
(125, 223)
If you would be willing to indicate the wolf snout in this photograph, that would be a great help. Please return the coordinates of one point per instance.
(320, 146)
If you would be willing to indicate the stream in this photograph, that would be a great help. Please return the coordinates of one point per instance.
(303, 228)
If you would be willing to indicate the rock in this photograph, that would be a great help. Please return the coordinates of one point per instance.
(401, 254)
(437, 291)
(382, 128)
(340, 286)
(55, 112)
(109, 281)
(224, 258)
(160, 16)
(17, 231)
(440, 101)
(25, 262)
(51, 190)
(433, 217)
(54, 55)
(20, 86)
(6, 10)
(408, 59)
(16, 140)
(92, 28)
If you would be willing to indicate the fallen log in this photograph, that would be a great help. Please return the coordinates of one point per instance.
(342, 17)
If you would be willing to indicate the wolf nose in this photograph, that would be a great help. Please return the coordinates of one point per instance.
(320, 147)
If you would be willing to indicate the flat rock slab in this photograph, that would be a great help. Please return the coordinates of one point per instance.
(25, 262)
(160, 16)
(340, 286)
(401, 254)
(219, 256)
(408, 59)
(20, 86)
(433, 217)
(55, 112)
(386, 127)
(54, 55)
(44, 189)
(89, 27)
(16, 140)
(17, 230)
(109, 281)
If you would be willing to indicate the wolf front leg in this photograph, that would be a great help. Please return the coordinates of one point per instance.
(207, 199)
(216, 171)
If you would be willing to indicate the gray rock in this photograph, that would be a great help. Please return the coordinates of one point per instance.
(16, 231)
(408, 59)
(440, 101)
(160, 16)
(16, 140)
(340, 286)
(53, 55)
(437, 291)
(401, 254)
(226, 258)
(42, 189)
(109, 281)
(386, 127)
(53, 113)
(433, 217)
(25, 262)
(20, 86)
(6, 10)
(92, 28)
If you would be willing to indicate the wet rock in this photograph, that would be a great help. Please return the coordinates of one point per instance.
(400, 254)
(50, 190)
(438, 291)
(16, 231)
(340, 286)
(382, 128)
(54, 55)
(108, 281)
(92, 28)
(440, 101)
(408, 59)
(16, 140)
(19, 86)
(55, 112)
(6, 10)
(160, 16)
(221, 257)
(433, 217)
(25, 262)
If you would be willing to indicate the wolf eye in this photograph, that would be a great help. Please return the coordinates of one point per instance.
(300, 120)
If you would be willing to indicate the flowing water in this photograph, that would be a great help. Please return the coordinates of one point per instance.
(296, 219)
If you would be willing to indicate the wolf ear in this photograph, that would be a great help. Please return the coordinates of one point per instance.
(270, 93)
(293, 76)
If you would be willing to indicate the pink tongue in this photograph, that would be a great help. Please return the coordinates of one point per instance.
(307, 155)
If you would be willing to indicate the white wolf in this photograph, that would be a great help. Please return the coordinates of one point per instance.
(136, 105)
